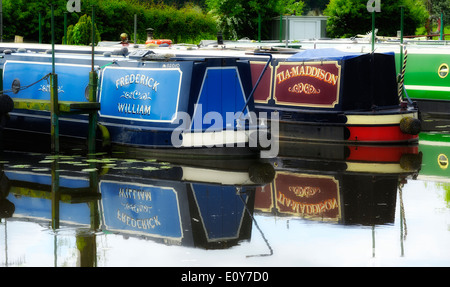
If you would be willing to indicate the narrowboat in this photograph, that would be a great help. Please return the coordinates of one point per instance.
(426, 79)
(423, 63)
(175, 204)
(336, 96)
(337, 183)
(182, 104)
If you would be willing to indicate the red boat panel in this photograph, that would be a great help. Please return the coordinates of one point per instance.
(263, 92)
(380, 153)
(314, 84)
(311, 196)
(379, 134)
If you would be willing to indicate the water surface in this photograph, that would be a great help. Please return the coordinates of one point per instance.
(316, 205)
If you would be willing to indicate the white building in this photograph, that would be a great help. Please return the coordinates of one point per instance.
(299, 27)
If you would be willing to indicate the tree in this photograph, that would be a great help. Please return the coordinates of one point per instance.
(348, 18)
(21, 17)
(239, 18)
(435, 8)
(81, 33)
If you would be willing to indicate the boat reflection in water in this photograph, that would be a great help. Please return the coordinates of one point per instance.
(338, 183)
(201, 205)
(172, 204)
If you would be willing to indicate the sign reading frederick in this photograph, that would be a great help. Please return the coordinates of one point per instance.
(142, 209)
(140, 94)
(308, 84)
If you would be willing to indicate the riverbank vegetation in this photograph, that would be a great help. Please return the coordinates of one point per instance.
(190, 21)
(187, 24)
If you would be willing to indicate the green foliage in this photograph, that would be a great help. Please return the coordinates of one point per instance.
(112, 17)
(21, 17)
(293, 7)
(436, 7)
(350, 17)
(81, 33)
(238, 18)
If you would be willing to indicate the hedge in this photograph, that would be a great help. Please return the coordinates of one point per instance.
(113, 17)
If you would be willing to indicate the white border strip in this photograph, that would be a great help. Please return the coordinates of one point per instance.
(428, 88)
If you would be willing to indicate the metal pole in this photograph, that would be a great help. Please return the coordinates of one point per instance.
(1, 20)
(402, 15)
(93, 35)
(92, 93)
(40, 28)
(373, 31)
(281, 28)
(259, 27)
(54, 93)
(55, 195)
(65, 28)
(441, 36)
(287, 31)
(135, 28)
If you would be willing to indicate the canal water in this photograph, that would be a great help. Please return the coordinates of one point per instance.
(314, 205)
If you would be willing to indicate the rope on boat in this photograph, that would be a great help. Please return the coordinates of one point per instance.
(402, 74)
(402, 213)
(256, 225)
(109, 64)
(15, 90)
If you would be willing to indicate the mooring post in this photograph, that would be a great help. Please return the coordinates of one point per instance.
(92, 93)
(54, 106)
(55, 194)
(93, 114)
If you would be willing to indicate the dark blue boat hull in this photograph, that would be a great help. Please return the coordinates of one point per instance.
(149, 104)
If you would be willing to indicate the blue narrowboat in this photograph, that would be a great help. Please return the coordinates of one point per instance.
(206, 207)
(146, 100)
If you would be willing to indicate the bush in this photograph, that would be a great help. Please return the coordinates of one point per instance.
(185, 25)
(81, 33)
(348, 18)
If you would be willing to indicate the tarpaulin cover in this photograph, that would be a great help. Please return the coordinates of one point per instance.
(366, 79)
(326, 54)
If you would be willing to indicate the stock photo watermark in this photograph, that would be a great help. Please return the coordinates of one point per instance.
(254, 130)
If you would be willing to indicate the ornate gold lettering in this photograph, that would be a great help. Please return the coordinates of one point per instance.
(301, 88)
(304, 191)
(307, 208)
(307, 71)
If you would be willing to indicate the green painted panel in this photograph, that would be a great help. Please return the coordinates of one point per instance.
(423, 70)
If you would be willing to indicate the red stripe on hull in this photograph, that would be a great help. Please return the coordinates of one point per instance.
(380, 153)
(379, 134)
